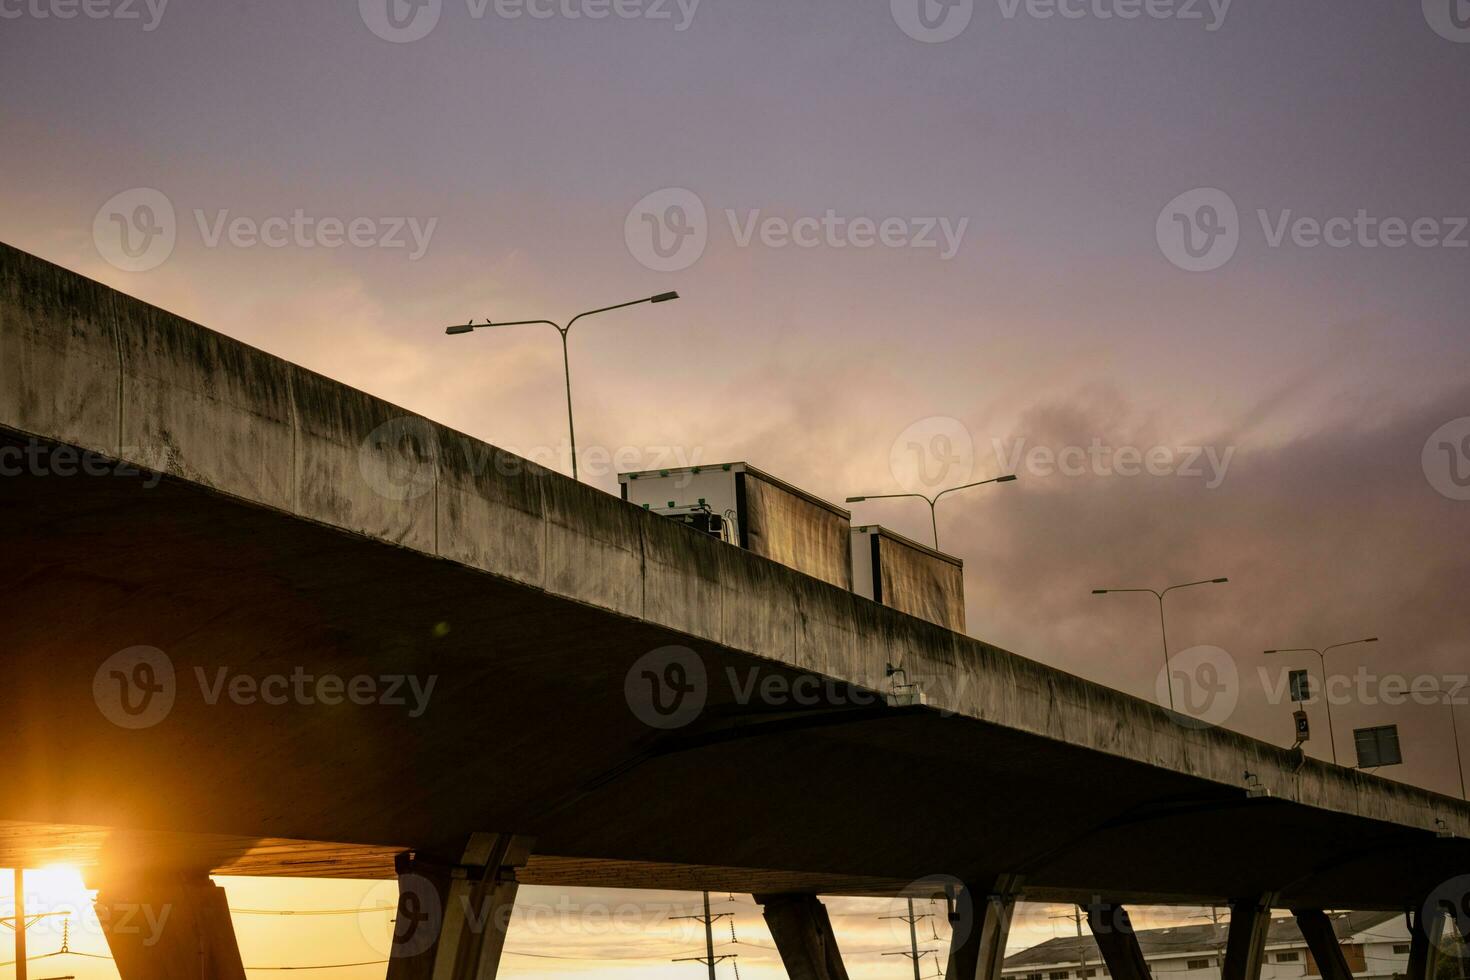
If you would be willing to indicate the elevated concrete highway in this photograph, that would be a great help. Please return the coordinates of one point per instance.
(168, 487)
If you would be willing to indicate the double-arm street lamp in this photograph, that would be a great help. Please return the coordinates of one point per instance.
(931, 501)
(1162, 631)
(565, 359)
(1322, 660)
(1449, 699)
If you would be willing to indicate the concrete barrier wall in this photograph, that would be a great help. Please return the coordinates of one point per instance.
(85, 365)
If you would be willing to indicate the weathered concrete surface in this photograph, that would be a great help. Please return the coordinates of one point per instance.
(302, 523)
(803, 933)
(169, 927)
(1118, 942)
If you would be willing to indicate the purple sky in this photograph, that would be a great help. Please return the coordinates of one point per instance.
(1062, 319)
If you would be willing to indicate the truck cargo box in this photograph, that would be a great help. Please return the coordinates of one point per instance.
(908, 576)
(758, 512)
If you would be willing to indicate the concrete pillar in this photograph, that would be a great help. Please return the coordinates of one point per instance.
(803, 933)
(1245, 947)
(452, 919)
(1426, 936)
(168, 926)
(1117, 941)
(981, 920)
(1316, 928)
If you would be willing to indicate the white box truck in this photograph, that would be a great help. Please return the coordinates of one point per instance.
(910, 577)
(754, 510)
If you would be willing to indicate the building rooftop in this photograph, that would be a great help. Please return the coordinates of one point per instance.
(1180, 940)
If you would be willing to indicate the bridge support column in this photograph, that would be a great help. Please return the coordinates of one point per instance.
(803, 933)
(1316, 929)
(1426, 935)
(452, 919)
(1245, 947)
(168, 926)
(1116, 940)
(982, 920)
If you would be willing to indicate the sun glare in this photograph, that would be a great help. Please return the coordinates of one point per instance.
(55, 884)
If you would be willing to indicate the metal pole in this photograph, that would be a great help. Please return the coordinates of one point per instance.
(20, 924)
(1081, 947)
(1327, 697)
(566, 362)
(709, 936)
(914, 933)
(934, 520)
(1164, 633)
(1459, 760)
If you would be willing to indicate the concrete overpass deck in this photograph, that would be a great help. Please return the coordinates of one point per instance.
(299, 526)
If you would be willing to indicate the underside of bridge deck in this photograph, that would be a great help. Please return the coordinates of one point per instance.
(527, 729)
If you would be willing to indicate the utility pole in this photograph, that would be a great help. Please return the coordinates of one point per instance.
(20, 924)
(914, 953)
(709, 959)
(1219, 946)
(1076, 918)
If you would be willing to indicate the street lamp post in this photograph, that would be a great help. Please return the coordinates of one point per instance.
(1163, 632)
(1322, 660)
(565, 358)
(1449, 700)
(931, 501)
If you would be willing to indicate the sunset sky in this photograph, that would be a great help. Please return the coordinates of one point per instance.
(535, 156)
